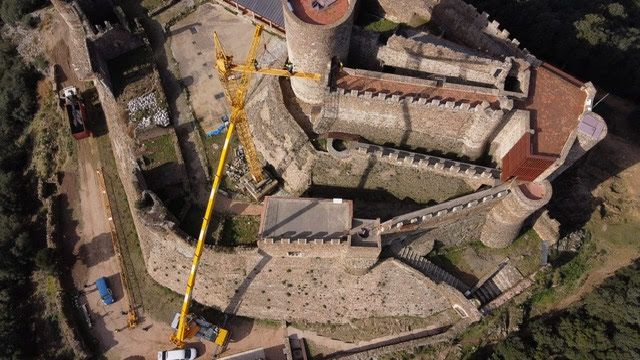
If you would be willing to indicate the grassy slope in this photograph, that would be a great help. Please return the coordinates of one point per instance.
(160, 151)
(157, 301)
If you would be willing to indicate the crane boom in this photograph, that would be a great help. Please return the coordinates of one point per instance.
(235, 89)
(276, 72)
(179, 336)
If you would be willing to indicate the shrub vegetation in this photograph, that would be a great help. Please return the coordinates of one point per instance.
(597, 40)
(604, 325)
(17, 205)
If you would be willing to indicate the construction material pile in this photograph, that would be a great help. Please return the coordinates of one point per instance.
(146, 111)
(238, 166)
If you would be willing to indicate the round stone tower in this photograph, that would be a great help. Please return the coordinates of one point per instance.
(314, 37)
(505, 220)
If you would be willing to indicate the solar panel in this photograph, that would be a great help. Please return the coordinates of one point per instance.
(268, 9)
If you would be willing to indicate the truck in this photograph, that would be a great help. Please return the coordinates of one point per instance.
(76, 112)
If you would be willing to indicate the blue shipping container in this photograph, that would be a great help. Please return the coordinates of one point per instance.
(105, 292)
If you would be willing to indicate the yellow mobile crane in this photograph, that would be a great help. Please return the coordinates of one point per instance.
(235, 88)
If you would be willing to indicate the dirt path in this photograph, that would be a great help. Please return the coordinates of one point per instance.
(226, 205)
(88, 245)
(612, 172)
(617, 258)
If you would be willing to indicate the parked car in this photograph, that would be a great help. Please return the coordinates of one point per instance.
(105, 293)
(179, 354)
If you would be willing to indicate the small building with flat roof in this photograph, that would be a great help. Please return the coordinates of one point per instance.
(306, 218)
(323, 228)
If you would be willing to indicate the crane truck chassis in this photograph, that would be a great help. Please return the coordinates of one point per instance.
(76, 112)
(201, 328)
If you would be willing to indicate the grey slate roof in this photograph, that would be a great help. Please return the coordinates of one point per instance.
(268, 9)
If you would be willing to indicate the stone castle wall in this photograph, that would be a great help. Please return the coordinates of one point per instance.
(458, 128)
(279, 139)
(77, 41)
(257, 284)
(283, 145)
(505, 220)
(460, 20)
(428, 56)
(465, 23)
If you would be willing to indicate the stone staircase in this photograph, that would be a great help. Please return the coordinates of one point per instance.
(428, 268)
(502, 280)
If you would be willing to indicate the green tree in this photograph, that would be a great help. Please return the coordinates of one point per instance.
(13, 10)
(46, 259)
(604, 325)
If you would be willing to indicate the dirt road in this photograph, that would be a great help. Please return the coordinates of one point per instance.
(226, 205)
(87, 243)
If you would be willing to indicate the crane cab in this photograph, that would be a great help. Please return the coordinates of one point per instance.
(203, 329)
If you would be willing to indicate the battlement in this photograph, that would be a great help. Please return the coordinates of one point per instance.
(433, 163)
(461, 105)
(305, 241)
(439, 212)
(463, 21)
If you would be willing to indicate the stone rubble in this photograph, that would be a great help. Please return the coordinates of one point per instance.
(154, 114)
(238, 166)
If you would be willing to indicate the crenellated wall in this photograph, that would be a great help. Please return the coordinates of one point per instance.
(427, 55)
(463, 22)
(483, 174)
(446, 126)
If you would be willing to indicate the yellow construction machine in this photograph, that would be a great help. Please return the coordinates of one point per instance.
(235, 80)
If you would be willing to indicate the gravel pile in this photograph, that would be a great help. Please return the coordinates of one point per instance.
(145, 111)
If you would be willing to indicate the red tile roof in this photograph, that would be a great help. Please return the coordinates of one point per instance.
(362, 83)
(519, 162)
(304, 10)
(555, 102)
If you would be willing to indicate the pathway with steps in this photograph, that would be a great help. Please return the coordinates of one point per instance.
(428, 268)
(503, 280)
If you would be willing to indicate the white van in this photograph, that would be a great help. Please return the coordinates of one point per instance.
(179, 354)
